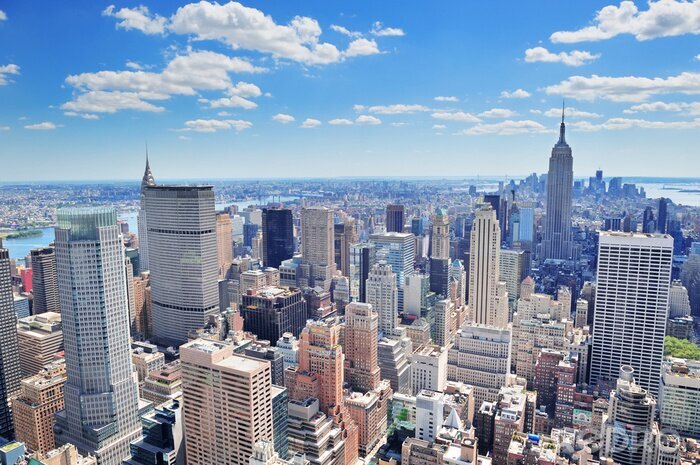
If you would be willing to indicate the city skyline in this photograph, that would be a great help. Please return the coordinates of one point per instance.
(317, 63)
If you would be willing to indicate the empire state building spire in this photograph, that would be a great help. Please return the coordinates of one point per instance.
(562, 128)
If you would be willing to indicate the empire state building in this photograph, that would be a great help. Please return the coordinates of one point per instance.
(557, 240)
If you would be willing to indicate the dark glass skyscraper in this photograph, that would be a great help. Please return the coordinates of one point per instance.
(273, 311)
(44, 280)
(395, 218)
(10, 375)
(662, 224)
(278, 236)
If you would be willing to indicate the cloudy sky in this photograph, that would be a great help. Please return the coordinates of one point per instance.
(319, 88)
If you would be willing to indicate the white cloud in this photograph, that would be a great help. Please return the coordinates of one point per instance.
(617, 124)
(44, 126)
(455, 116)
(345, 31)
(247, 28)
(504, 128)
(138, 18)
(82, 115)
(133, 65)
(697, 57)
(570, 112)
(213, 125)
(184, 138)
(399, 124)
(184, 75)
(626, 88)
(442, 98)
(238, 95)
(692, 108)
(367, 119)
(439, 126)
(573, 58)
(664, 18)
(498, 113)
(517, 93)
(97, 101)
(340, 122)
(5, 70)
(378, 29)
(396, 109)
(310, 123)
(4, 128)
(223, 113)
(283, 118)
(3, 17)
(361, 47)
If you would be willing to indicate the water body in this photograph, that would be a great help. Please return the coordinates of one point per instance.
(20, 248)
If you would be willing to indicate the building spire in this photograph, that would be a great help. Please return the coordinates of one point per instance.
(562, 127)
(148, 179)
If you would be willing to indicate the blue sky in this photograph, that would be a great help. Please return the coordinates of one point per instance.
(318, 88)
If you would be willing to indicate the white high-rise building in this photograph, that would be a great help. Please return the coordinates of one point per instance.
(147, 181)
(557, 240)
(400, 253)
(429, 368)
(101, 393)
(317, 247)
(631, 306)
(678, 300)
(183, 259)
(680, 389)
(488, 298)
(382, 294)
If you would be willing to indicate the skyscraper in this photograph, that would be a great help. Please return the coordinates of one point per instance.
(382, 294)
(181, 224)
(318, 258)
(345, 234)
(631, 306)
(662, 223)
(488, 297)
(224, 242)
(557, 241)
(440, 237)
(101, 403)
(44, 280)
(278, 236)
(147, 181)
(360, 346)
(10, 375)
(227, 403)
(395, 217)
(271, 311)
(362, 257)
(400, 253)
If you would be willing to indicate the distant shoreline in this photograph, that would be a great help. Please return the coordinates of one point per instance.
(23, 234)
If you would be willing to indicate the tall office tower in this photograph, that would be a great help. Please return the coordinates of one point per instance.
(143, 321)
(362, 258)
(678, 300)
(369, 412)
(313, 434)
(278, 236)
(662, 223)
(429, 368)
(382, 294)
(440, 239)
(222, 389)
(280, 419)
(648, 222)
(101, 404)
(487, 297)
(394, 363)
(557, 240)
(458, 283)
(224, 243)
(395, 217)
(513, 268)
(39, 338)
(318, 259)
(44, 280)
(480, 357)
(271, 311)
(629, 432)
(446, 324)
(320, 375)
(361, 336)
(184, 266)
(146, 181)
(10, 374)
(440, 276)
(629, 329)
(40, 398)
(400, 253)
(679, 389)
(345, 234)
